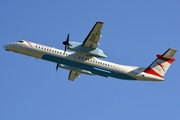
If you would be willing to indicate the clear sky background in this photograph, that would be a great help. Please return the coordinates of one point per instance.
(132, 34)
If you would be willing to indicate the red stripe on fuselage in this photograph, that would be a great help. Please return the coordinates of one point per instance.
(29, 43)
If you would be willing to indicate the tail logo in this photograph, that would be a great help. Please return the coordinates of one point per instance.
(162, 66)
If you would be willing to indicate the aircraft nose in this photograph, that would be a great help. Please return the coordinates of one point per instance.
(7, 47)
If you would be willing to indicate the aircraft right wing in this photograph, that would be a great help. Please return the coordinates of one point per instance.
(73, 75)
(91, 42)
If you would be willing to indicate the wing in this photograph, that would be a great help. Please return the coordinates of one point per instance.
(92, 39)
(73, 75)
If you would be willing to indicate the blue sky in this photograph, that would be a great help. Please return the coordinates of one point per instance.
(133, 33)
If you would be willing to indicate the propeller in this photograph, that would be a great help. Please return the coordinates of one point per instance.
(66, 43)
(57, 66)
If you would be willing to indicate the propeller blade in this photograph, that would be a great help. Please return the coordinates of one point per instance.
(57, 66)
(67, 40)
(65, 48)
(66, 43)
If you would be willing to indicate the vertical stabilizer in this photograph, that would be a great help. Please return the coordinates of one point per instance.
(160, 66)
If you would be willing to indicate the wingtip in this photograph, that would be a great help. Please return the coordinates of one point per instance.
(99, 22)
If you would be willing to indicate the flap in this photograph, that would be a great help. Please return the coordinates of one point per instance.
(73, 75)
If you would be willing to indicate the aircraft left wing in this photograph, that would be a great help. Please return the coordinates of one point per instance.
(93, 37)
(73, 75)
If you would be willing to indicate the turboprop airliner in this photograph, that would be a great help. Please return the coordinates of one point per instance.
(84, 58)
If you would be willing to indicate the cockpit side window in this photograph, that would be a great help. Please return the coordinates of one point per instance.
(20, 41)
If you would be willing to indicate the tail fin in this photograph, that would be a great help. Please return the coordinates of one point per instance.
(160, 66)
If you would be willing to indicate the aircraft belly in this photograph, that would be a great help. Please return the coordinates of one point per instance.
(95, 70)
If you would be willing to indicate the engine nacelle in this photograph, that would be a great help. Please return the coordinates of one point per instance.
(78, 47)
(75, 69)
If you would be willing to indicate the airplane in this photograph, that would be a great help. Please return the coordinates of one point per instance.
(85, 59)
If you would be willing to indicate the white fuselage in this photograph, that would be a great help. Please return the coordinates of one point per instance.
(81, 62)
